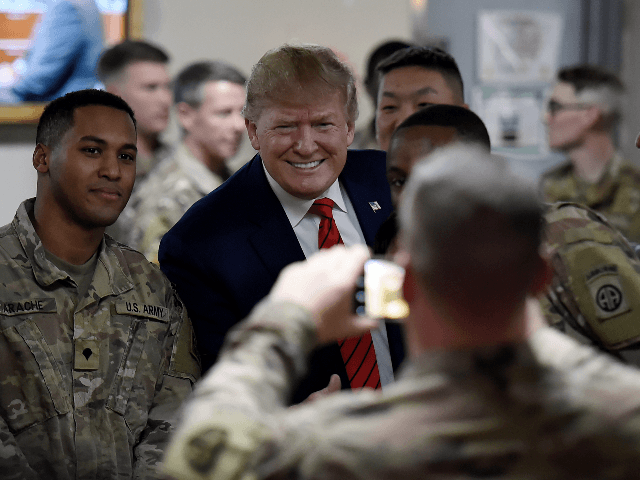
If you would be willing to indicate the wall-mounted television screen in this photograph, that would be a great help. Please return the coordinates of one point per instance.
(50, 47)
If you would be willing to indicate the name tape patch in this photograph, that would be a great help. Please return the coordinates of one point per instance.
(35, 305)
(143, 310)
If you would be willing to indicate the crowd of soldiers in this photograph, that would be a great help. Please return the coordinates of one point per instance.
(139, 267)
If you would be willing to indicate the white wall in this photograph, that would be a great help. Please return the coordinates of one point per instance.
(238, 32)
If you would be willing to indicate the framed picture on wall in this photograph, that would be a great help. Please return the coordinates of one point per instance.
(43, 41)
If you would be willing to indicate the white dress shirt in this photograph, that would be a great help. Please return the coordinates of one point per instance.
(305, 225)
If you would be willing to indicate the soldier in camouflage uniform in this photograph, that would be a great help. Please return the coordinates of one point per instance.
(209, 97)
(478, 399)
(96, 350)
(595, 293)
(581, 117)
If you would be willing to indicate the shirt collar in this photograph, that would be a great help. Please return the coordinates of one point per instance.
(296, 208)
(202, 178)
(115, 276)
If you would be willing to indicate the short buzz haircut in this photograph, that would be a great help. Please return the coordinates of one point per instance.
(594, 85)
(57, 118)
(188, 87)
(379, 53)
(473, 230)
(434, 59)
(468, 126)
(304, 69)
(116, 59)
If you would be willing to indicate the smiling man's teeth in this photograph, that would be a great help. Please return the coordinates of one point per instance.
(306, 165)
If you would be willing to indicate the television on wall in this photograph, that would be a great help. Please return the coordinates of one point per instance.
(22, 25)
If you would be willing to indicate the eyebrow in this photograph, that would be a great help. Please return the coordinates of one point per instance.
(421, 91)
(92, 138)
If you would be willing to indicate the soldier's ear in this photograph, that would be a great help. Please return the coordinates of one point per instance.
(186, 115)
(41, 158)
(593, 116)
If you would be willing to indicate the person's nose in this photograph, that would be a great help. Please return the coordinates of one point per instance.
(110, 166)
(305, 143)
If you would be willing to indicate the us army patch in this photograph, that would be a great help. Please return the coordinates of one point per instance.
(607, 292)
(35, 305)
(143, 310)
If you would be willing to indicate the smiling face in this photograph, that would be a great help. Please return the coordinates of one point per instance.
(405, 90)
(89, 175)
(303, 143)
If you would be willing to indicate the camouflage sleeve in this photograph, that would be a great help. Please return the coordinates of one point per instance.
(149, 235)
(231, 421)
(13, 464)
(595, 291)
(180, 372)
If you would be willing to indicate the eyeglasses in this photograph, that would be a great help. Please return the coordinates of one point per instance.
(554, 107)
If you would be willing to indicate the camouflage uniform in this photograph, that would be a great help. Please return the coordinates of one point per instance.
(165, 196)
(88, 386)
(487, 412)
(595, 293)
(616, 195)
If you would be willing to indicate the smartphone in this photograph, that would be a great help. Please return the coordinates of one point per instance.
(379, 291)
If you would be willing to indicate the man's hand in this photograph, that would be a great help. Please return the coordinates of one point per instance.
(334, 386)
(325, 285)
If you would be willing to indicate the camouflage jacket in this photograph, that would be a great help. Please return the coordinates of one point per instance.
(165, 196)
(616, 195)
(495, 412)
(87, 391)
(595, 291)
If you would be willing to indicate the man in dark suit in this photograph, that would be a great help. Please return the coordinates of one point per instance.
(228, 249)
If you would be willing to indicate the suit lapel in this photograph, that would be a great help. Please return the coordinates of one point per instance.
(274, 240)
(363, 191)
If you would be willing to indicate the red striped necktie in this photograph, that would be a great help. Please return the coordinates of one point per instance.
(358, 353)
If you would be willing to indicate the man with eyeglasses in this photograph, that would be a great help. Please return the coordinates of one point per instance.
(581, 117)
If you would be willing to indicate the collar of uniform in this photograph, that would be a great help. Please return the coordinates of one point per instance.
(603, 189)
(112, 276)
(202, 178)
(296, 208)
(145, 164)
(493, 360)
(44, 271)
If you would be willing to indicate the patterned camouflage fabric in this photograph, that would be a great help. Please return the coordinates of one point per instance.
(87, 391)
(487, 412)
(616, 195)
(166, 194)
(595, 293)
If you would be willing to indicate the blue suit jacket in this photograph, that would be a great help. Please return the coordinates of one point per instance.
(226, 252)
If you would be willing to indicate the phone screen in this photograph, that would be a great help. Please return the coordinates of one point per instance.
(380, 292)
